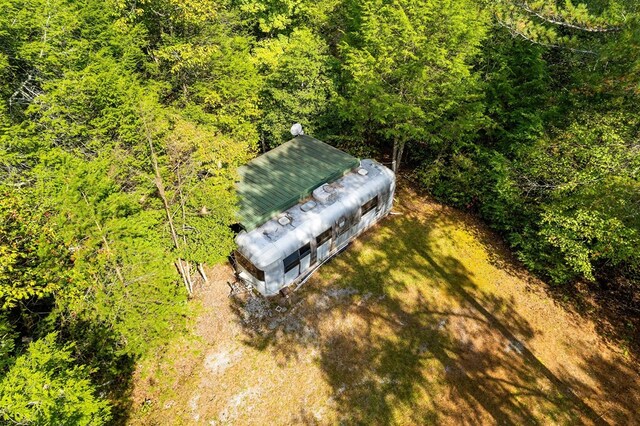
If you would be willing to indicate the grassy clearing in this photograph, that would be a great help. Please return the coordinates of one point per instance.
(424, 320)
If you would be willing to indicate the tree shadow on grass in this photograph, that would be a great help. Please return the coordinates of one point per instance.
(404, 335)
(612, 303)
(615, 382)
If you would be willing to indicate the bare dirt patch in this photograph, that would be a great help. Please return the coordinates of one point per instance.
(421, 321)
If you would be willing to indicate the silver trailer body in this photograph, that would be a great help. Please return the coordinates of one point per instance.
(285, 250)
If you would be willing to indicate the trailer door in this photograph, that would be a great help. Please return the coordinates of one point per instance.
(323, 245)
(296, 263)
(305, 257)
(291, 267)
(342, 230)
(369, 210)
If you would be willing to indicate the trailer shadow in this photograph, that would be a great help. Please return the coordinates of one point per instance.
(403, 334)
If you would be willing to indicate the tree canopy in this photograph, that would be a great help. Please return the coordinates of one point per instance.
(122, 125)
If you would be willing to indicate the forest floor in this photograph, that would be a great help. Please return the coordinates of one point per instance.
(424, 319)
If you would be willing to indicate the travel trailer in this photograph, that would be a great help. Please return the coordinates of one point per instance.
(300, 204)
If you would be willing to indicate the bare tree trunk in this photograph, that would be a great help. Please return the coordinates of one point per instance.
(184, 213)
(263, 143)
(44, 32)
(400, 152)
(184, 272)
(187, 268)
(203, 273)
(394, 165)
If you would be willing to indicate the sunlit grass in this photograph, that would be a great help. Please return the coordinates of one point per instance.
(425, 319)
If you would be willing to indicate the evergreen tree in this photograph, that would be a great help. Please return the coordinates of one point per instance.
(45, 387)
(122, 124)
(272, 17)
(297, 85)
(409, 77)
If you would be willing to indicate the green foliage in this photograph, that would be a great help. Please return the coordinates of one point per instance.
(562, 24)
(84, 233)
(409, 74)
(122, 124)
(89, 108)
(556, 170)
(274, 16)
(118, 249)
(517, 91)
(218, 79)
(8, 336)
(45, 387)
(297, 84)
(33, 261)
(38, 37)
(209, 70)
(584, 237)
(199, 167)
(589, 212)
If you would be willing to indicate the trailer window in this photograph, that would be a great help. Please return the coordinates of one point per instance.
(370, 205)
(249, 267)
(305, 250)
(291, 261)
(324, 237)
(343, 225)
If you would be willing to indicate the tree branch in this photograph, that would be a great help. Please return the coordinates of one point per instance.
(104, 239)
(514, 32)
(557, 20)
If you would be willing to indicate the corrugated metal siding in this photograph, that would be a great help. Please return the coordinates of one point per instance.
(280, 178)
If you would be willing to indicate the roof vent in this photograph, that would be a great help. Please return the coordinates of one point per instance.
(363, 172)
(326, 194)
(270, 231)
(284, 220)
(309, 205)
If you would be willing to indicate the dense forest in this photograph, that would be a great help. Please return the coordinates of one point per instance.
(122, 124)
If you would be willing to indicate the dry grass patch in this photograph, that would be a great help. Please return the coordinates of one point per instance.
(425, 319)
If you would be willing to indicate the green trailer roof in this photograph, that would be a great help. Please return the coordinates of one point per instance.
(280, 178)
